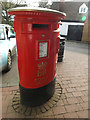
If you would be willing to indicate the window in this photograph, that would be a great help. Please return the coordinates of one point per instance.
(83, 8)
(12, 31)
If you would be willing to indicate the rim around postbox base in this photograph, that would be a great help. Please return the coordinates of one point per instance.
(36, 97)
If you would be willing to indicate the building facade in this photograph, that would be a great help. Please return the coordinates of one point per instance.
(71, 9)
(75, 12)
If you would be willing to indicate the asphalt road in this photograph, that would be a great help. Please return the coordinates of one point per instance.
(77, 46)
(11, 78)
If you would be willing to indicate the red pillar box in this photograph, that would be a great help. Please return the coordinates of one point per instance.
(37, 48)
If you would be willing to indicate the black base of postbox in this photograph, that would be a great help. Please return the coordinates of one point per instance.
(36, 97)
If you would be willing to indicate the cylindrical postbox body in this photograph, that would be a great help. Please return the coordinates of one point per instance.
(37, 48)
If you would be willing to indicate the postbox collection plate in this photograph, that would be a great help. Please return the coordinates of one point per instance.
(43, 49)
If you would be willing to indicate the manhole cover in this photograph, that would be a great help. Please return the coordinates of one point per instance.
(18, 107)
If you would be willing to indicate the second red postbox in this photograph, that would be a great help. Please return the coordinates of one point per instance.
(37, 31)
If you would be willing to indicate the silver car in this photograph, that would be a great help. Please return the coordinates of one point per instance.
(7, 46)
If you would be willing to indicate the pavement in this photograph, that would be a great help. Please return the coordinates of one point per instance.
(72, 75)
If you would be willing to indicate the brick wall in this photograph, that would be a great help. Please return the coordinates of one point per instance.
(85, 36)
(86, 30)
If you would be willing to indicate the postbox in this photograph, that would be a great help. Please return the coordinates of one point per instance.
(37, 31)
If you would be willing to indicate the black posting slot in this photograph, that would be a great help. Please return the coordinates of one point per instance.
(40, 26)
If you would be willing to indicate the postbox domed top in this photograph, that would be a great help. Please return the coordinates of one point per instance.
(36, 9)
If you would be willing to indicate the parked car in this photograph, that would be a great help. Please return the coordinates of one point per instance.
(7, 46)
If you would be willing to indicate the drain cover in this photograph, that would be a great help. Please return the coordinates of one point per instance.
(18, 107)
